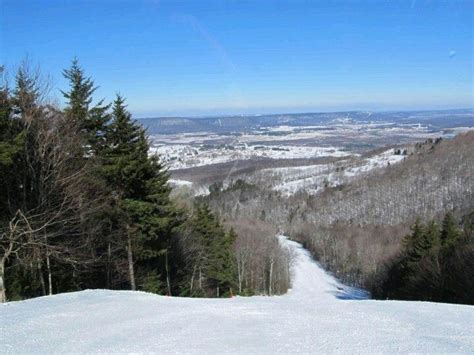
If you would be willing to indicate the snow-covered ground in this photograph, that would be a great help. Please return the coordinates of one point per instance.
(378, 161)
(183, 156)
(310, 178)
(178, 182)
(319, 315)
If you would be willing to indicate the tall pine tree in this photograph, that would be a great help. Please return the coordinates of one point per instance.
(216, 259)
(89, 120)
(142, 199)
(450, 231)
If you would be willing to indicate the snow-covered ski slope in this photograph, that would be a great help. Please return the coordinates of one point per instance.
(319, 315)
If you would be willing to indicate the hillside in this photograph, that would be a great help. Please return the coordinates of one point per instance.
(354, 223)
(318, 315)
(434, 178)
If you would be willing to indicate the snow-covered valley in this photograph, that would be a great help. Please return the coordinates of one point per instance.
(339, 138)
(303, 156)
(319, 315)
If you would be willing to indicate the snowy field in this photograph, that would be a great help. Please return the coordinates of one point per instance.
(182, 156)
(319, 315)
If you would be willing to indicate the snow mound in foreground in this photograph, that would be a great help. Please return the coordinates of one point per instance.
(318, 315)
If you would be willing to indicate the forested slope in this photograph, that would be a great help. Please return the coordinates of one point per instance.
(436, 176)
(355, 228)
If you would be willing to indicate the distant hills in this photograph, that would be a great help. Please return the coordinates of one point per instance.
(437, 118)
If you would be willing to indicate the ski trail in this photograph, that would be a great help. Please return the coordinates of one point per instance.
(310, 280)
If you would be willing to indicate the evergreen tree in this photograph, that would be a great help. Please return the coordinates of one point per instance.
(11, 137)
(26, 94)
(426, 275)
(27, 114)
(140, 186)
(450, 231)
(432, 236)
(79, 96)
(11, 142)
(415, 243)
(415, 274)
(89, 123)
(89, 120)
(217, 258)
(126, 164)
(457, 257)
(433, 266)
(222, 266)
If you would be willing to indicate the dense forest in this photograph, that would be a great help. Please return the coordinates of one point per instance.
(84, 205)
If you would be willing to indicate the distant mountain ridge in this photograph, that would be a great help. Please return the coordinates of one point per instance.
(436, 118)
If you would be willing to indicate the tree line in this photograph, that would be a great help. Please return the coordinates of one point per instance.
(84, 205)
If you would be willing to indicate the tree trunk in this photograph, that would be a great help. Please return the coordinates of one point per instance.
(168, 283)
(3, 291)
(288, 274)
(109, 257)
(50, 276)
(41, 277)
(200, 279)
(192, 278)
(240, 273)
(130, 261)
(240, 282)
(270, 279)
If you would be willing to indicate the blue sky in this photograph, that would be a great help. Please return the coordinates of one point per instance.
(211, 57)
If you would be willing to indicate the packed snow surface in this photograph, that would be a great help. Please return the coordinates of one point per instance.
(318, 315)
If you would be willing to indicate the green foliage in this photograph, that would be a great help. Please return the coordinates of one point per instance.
(151, 282)
(11, 131)
(450, 231)
(214, 255)
(79, 96)
(435, 265)
(89, 120)
(26, 93)
(15, 144)
(222, 268)
(139, 184)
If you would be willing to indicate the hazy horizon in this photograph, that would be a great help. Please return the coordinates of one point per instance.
(276, 113)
